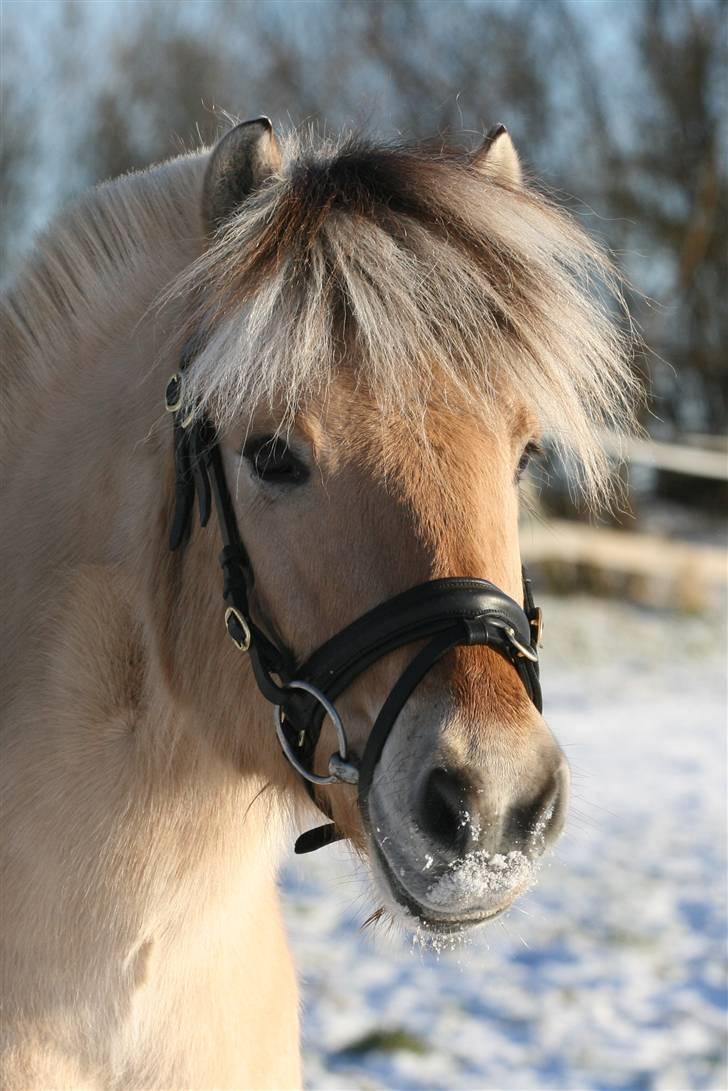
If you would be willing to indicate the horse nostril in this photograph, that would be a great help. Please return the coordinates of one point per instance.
(444, 811)
(554, 816)
(535, 825)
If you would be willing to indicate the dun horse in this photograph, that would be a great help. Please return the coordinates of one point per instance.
(365, 343)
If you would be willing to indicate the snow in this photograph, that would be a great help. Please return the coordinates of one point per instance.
(610, 972)
(481, 879)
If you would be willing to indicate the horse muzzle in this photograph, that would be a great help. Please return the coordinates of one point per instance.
(455, 845)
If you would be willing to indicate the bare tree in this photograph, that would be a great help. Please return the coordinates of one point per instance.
(17, 150)
(647, 159)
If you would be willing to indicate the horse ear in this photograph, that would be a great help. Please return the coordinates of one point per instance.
(238, 165)
(498, 159)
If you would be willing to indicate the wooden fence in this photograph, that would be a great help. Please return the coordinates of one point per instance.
(646, 566)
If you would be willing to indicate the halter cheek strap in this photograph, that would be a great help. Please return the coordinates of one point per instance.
(446, 613)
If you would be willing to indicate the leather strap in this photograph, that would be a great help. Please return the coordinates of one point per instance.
(472, 611)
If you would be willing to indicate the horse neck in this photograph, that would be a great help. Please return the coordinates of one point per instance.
(95, 475)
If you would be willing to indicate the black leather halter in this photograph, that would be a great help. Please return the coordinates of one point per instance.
(445, 613)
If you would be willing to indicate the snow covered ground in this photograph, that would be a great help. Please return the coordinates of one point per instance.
(610, 973)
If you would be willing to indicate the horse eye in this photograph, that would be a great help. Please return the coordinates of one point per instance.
(273, 461)
(531, 450)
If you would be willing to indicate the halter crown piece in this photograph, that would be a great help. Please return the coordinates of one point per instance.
(446, 613)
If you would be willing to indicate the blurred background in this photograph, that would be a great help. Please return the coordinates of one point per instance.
(619, 102)
(614, 975)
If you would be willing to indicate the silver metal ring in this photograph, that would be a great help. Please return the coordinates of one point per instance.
(344, 770)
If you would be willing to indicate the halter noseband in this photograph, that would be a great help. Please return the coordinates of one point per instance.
(446, 613)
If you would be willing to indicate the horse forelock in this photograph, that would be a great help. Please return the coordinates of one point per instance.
(403, 267)
(422, 280)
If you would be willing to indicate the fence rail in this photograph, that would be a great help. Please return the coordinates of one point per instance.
(657, 569)
(675, 457)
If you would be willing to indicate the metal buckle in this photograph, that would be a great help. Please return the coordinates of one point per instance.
(173, 398)
(173, 393)
(243, 643)
(339, 767)
(536, 623)
(522, 649)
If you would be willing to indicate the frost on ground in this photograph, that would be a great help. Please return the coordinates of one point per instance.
(610, 972)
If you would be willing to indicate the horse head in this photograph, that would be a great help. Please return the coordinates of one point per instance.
(377, 339)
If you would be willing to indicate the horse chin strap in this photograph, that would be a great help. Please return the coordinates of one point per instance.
(445, 613)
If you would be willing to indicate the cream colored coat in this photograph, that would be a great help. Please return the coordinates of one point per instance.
(145, 803)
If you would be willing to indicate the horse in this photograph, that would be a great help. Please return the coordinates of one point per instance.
(344, 351)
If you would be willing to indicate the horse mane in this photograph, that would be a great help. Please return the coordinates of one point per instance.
(95, 243)
(406, 264)
(99, 256)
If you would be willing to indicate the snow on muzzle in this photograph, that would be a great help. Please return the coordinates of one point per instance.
(462, 843)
